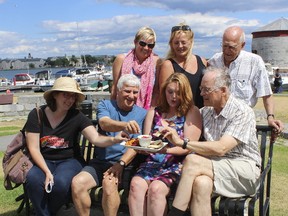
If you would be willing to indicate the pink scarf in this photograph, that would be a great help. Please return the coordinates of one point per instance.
(145, 72)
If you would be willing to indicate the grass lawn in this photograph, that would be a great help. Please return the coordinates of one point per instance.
(7, 198)
(280, 107)
(279, 191)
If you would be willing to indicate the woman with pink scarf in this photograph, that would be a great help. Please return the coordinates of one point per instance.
(142, 62)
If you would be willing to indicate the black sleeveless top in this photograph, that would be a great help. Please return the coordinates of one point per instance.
(194, 79)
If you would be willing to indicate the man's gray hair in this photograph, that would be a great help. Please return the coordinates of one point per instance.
(222, 78)
(128, 79)
(242, 37)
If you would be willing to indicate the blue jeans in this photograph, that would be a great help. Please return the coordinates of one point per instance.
(63, 171)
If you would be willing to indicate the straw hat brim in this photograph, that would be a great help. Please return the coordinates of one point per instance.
(65, 84)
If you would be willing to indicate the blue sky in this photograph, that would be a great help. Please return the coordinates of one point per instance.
(76, 27)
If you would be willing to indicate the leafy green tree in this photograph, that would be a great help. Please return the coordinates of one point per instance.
(74, 60)
(31, 65)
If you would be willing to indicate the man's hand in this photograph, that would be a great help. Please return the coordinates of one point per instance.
(276, 124)
(172, 136)
(114, 172)
(132, 127)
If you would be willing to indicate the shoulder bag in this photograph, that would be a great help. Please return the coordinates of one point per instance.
(17, 161)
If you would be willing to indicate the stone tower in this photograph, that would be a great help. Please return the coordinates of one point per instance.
(271, 43)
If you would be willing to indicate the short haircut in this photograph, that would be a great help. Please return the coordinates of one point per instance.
(128, 79)
(221, 76)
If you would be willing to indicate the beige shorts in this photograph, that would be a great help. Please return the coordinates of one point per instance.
(234, 177)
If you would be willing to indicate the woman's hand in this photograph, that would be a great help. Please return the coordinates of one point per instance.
(49, 182)
(122, 136)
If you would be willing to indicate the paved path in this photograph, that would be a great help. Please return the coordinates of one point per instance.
(4, 141)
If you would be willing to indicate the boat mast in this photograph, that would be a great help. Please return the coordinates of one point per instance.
(78, 43)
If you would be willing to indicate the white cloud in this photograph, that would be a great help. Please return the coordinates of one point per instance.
(113, 35)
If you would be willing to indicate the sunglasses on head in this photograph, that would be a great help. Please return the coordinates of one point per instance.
(143, 44)
(183, 28)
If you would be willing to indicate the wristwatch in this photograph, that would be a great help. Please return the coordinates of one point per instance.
(186, 140)
(122, 163)
(270, 115)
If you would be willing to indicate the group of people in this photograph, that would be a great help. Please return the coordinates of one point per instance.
(203, 109)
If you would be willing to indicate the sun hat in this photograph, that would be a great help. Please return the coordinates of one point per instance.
(65, 84)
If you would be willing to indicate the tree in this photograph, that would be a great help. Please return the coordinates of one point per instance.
(74, 60)
(62, 62)
(31, 65)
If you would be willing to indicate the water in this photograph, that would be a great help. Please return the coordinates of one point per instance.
(9, 74)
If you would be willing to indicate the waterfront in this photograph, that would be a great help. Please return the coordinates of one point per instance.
(87, 81)
(9, 74)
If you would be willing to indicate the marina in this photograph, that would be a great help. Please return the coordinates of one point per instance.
(37, 80)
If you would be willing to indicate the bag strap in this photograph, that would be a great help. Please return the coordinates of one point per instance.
(7, 182)
(40, 116)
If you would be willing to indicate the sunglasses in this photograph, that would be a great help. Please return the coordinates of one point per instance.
(67, 95)
(144, 44)
(183, 28)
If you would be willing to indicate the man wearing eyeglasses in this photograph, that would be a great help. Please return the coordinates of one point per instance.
(248, 73)
(228, 161)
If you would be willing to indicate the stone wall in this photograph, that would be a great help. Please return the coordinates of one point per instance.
(23, 103)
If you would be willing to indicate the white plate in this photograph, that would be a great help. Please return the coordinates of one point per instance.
(145, 148)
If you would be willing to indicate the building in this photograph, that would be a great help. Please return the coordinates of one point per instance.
(271, 43)
(24, 63)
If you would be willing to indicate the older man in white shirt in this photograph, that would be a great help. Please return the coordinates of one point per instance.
(247, 71)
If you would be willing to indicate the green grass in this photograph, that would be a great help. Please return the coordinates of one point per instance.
(279, 190)
(9, 130)
(7, 198)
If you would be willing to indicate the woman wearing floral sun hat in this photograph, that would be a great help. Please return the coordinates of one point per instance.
(142, 62)
(54, 148)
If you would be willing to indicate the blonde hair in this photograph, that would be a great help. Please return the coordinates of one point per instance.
(190, 35)
(185, 92)
(145, 33)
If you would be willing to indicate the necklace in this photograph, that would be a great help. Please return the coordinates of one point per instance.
(171, 119)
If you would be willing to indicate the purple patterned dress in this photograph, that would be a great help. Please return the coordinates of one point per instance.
(163, 167)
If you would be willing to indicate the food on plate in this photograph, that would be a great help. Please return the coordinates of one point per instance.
(133, 142)
(157, 134)
(156, 144)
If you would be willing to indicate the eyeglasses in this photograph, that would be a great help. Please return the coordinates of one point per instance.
(67, 95)
(144, 44)
(183, 28)
(207, 90)
(225, 46)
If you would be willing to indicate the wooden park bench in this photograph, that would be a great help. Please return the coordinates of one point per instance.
(220, 205)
